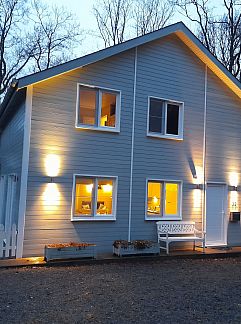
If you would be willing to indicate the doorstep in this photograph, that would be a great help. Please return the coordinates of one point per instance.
(210, 253)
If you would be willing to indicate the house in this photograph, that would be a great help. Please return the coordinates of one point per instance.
(100, 148)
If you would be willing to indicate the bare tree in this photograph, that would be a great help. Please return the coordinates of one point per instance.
(112, 17)
(56, 34)
(150, 15)
(230, 37)
(200, 12)
(15, 51)
(41, 41)
(220, 34)
(116, 18)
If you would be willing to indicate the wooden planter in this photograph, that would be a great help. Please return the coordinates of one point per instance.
(69, 251)
(140, 247)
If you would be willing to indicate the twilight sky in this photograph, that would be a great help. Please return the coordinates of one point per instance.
(83, 11)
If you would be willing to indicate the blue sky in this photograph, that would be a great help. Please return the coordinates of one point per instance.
(84, 12)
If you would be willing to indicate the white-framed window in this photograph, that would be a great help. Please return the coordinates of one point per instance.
(163, 200)
(165, 118)
(94, 197)
(98, 108)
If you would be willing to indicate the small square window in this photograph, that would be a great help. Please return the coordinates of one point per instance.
(163, 200)
(94, 198)
(98, 108)
(165, 119)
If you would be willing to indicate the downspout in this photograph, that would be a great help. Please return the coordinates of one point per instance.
(204, 153)
(132, 146)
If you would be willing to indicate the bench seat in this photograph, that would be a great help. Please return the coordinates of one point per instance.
(182, 238)
(181, 231)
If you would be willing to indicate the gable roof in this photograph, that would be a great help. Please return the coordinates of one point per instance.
(178, 28)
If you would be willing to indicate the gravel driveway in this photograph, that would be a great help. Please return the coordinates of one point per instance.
(172, 291)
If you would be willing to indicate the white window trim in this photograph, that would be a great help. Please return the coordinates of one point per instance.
(170, 218)
(180, 119)
(115, 129)
(95, 217)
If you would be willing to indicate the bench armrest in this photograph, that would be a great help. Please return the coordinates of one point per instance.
(203, 233)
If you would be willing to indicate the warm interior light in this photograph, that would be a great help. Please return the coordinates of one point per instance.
(103, 120)
(107, 188)
(51, 195)
(52, 165)
(233, 179)
(89, 187)
(155, 200)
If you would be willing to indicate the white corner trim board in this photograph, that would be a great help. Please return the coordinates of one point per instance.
(132, 146)
(204, 152)
(24, 173)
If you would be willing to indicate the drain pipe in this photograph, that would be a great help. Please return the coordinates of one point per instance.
(204, 153)
(132, 146)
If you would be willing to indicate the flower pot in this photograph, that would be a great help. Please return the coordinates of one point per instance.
(138, 247)
(69, 251)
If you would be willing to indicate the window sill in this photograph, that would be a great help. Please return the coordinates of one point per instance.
(151, 218)
(100, 129)
(171, 137)
(93, 218)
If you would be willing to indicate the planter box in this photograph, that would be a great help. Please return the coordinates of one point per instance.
(69, 251)
(131, 248)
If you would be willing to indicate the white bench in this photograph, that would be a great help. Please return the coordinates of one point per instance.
(179, 231)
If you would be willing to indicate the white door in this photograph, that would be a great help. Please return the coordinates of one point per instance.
(216, 198)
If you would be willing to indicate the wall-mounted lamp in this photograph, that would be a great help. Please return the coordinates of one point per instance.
(51, 195)
(232, 188)
(52, 166)
(233, 181)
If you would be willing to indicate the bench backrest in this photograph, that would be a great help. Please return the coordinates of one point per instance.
(171, 227)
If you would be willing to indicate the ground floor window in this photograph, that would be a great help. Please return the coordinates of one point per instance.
(94, 198)
(163, 199)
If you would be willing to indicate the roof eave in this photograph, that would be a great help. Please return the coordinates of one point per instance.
(179, 29)
(8, 97)
(207, 58)
(97, 56)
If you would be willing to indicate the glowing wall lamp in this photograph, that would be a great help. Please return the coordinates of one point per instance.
(51, 195)
(52, 165)
(233, 181)
(198, 177)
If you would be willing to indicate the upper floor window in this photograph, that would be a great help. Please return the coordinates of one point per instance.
(98, 108)
(94, 198)
(165, 118)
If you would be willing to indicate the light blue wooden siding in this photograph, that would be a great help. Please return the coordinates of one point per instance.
(11, 151)
(80, 152)
(167, 69)
(224, 142)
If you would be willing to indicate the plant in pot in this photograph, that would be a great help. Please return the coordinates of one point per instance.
(136, 247)
(71, 250)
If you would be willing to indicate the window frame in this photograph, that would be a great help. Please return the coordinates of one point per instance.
(160, 217)
(99, 90)
(95, 217)
(178, 137)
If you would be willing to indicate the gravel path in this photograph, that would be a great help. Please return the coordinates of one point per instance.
(172, 291)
